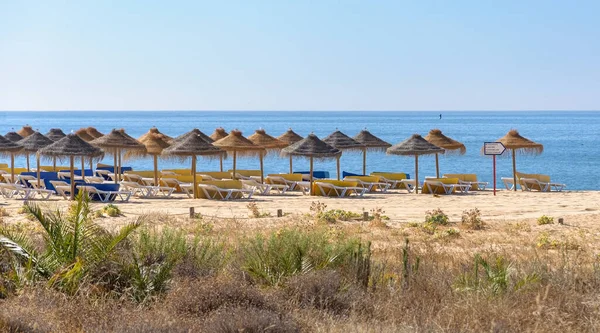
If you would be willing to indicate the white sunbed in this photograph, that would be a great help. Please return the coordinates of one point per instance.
(409, 184)
(508, 182)
(105, 196)
(223, 193)
(448, 188)
(480, 185)
(264, 189)
(341, 191)
(147, 191)
(62, 188)
(187, 188)
(10, 191)
(370, 186)
(526, 185)
(303, 186)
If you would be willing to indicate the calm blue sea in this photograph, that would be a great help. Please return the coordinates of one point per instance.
(570, 139)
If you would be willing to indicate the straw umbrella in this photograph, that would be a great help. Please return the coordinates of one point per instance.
(93, 132)
(312, 147)
(9, 147)
(71, 146)
(370, 142)
(342, 142)
(87, 137)
(155, 130)
(219, 134)
(55, 134)
(13, 136)
(262, 139)
(238, 144)
(115, 142)
(197, 132)
(25, 131)
(290, 137)
(192, 146)
(154, 143)
(414, 146)
(516, 143)
(436, 137)
(32, 144)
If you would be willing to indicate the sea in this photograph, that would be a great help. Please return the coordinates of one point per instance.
(571, 139)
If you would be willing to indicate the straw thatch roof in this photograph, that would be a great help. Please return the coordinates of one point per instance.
(55, 134)
(13, 136)
(83, 133)
(514, 140)
(118, 139)
(415, 145)
(341, 141)
(219, 134)
(192, 145)
(235, 141)
(93, 132)
(154, 143)
(194, 132)
(311, 146)
(262, 139)
(370, 141)
(34, 142)
(289, 137)
(7, 146)
(436, 137)
(71, 145)
(155, 130)
(25, 131)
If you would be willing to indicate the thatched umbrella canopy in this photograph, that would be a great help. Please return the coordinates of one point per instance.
(115, 142)
(192, 146)
(262, 139)
(312, 147)
(342, 142)
(155, 144)
(13, 136)
(197, 132)
(83, 133)
(519, 144)
(235, 142)
(153, 131)
(219, 134)
(25, 131)
(450, 146)
(71, 146)
(290, 137)
(414, 146)
(370, 142)
(55, 134)
(32, 144)
(93, 132)
(8, 147)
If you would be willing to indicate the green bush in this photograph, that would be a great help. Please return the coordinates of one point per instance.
(545, 220)
(437, 216)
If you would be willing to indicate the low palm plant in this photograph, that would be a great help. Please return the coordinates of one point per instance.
(72, 244)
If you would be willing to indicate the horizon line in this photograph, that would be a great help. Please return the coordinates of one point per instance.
(191, 110)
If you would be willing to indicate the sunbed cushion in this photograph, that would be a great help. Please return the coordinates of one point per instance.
(438, 190)
(331, 192)
(223, 184)
(466, 177)
(246, 173)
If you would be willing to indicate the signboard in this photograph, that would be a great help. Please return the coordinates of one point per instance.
(493, 148)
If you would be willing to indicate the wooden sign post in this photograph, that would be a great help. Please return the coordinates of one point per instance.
(494, 148)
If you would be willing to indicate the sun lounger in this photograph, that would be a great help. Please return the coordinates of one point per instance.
(176, 184)
(214, 192)
(434, 185)
(371, 183)
(340, 191)
(409, 184)
(105, 196)
(24, 180)
(468, 179)
(530, 184)
(10, 191)
(147, 191)
(263, 189)
(62, 188)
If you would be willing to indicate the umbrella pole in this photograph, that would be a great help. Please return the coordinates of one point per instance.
(262, 173)
(12, 167)
(311, 176)
(416, 174)
(54, 164)
(338, 168)
(28, 162)
(119, 161)
(72, 178)
(234, 157)
(437, 167)
(291, 165)
(115, 167)
(514, 169)
(83, 168)
(37, 156)
(365, 161)
(92, 165)
(221, 162)
(195, 189)
(156, 171)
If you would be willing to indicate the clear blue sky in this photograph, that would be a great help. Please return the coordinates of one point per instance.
(299, 55)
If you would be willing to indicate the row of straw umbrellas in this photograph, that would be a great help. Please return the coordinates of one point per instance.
(88, 143)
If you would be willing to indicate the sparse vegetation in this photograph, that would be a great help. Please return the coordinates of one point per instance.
(471, 219)
(255, 212)
(331, 216)
(436, 216)
(545, 220)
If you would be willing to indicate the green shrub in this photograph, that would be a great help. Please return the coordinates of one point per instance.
(437, 216)
(471, 219)
(545, 220)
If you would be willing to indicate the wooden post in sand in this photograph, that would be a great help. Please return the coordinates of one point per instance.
(192, 214)
(279, 213)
